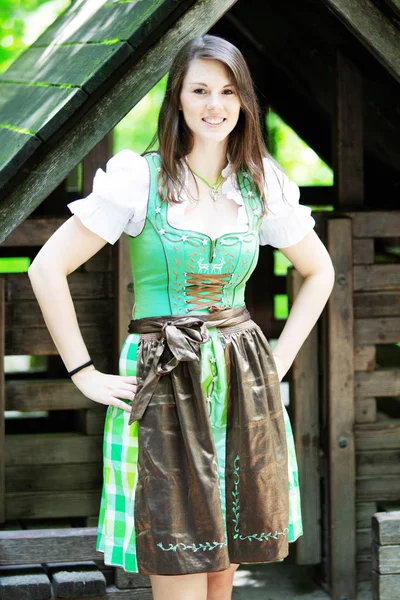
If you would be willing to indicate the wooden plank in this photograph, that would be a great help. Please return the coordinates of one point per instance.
(382, 435)
(377, 331)
(37, 340)
(76, 139)
(364, 541)
(378, 462)
(386, 559)
(42, 478)
(365, 410)
(348, 134)
(48, 545)
(386, 528)
(371, 488)
(132, 22)
(305, 402)
(2, 402)
(52, 449)
(27, 314)
(43, 505)
(91, 286)
(375, 223)
(372, 28)
(90, 422)
(91, 66)
(49, 394)
(101, 261)
(376, 304)
(49, 107)
(365, 512)
(34, 231)
(383, 382)
(382, 278)
(364, 568)
(341, 411)
(364, 358)
(363, 251)
(15, 149)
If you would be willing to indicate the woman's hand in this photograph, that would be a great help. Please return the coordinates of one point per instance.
(106, 389)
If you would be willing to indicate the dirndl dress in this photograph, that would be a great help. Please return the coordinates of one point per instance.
(202, 473)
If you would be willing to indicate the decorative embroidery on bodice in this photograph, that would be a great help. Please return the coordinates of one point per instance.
(203, 273)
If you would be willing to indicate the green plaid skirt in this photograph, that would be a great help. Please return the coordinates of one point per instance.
(116, 526)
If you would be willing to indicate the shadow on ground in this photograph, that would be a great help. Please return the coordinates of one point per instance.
(284, 581)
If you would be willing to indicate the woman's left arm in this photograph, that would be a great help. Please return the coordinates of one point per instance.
(311, 259)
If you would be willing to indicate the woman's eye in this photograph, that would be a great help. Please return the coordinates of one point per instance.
(203, 90)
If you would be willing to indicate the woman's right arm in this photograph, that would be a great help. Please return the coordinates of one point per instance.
(68, 248)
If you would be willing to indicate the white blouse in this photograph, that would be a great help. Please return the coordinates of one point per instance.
(118, 202)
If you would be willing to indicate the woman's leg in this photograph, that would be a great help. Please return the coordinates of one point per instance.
(179, 587)
(220, 583)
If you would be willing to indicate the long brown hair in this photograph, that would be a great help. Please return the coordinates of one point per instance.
(246, 146)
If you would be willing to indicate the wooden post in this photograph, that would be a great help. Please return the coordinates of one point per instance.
(348, 148)
(342, 518)
(305, 418)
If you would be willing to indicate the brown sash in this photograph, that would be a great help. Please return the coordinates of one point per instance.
(179, 338)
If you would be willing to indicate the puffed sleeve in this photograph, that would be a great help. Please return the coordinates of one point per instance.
(286, 222)
(118, 201)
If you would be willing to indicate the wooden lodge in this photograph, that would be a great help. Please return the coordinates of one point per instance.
(331, 70)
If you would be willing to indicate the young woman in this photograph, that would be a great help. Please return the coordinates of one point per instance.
(200, 471)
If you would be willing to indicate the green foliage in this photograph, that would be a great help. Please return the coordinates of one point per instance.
(299, 161)
(21, 23)
(137, 129)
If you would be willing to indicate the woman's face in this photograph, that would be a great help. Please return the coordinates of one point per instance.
(209, 100)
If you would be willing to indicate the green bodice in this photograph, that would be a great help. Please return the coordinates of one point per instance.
(179, 271)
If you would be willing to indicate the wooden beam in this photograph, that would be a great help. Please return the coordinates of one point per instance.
(305, 402)
(371, 278)
(48, 545)
(372, 28)
(76, 140)
(374, 223)
(341, 413)
(348, 151)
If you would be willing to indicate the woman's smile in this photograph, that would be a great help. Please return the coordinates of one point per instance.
(213, 121)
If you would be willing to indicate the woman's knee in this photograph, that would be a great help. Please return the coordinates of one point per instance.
(179, 587)
(220, 583)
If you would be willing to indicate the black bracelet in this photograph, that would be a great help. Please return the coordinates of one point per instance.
(90, 362)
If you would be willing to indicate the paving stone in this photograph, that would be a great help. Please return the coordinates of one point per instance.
(24, 583)
(76, 580)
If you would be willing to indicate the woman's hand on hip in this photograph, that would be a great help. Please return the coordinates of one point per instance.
(106, 389)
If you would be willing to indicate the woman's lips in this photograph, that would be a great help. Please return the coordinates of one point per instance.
(213, 124)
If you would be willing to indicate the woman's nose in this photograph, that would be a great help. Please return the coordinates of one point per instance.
(214, 100)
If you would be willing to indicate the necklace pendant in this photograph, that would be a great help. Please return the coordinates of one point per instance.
(214, 194)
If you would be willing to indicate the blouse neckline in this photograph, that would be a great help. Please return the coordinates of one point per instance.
(230, 188)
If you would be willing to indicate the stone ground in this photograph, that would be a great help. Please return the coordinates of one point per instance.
(283, 581)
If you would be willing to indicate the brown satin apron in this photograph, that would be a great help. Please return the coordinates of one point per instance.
(178, 518)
